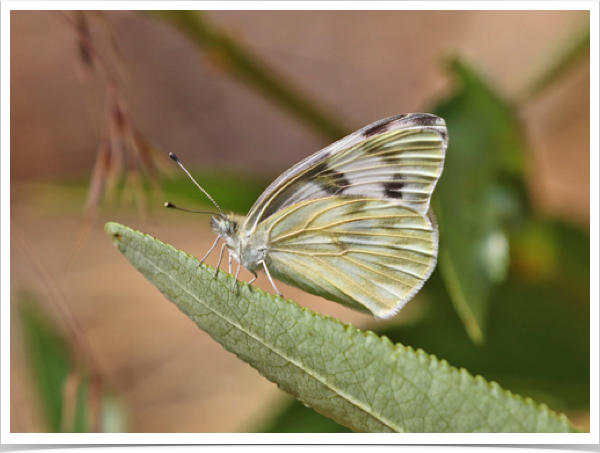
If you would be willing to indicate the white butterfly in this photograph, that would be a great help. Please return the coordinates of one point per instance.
(351, 223)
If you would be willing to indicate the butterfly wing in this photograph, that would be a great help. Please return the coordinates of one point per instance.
(369, 254)
(398, 158)
(350, 223)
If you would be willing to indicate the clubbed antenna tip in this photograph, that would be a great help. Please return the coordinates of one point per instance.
(168, 204)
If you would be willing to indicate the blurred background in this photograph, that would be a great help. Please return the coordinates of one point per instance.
(98, 100)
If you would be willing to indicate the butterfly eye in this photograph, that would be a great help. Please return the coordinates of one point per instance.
(231, 226)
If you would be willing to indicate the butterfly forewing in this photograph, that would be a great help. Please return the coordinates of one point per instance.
(367, 253)
(399, 159)
(402, 165)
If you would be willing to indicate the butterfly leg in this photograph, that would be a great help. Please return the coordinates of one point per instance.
(220, 258)
(238, 270)
(236, 277)
(270, 279)
(211, 249)
(230, 259)
(255, 277)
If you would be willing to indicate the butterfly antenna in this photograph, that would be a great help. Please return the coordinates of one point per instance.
(174, 157)
(171, 205)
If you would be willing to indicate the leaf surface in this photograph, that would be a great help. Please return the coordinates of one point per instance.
(356, 378)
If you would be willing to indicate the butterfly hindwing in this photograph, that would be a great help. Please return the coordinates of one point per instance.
(369, 254)
(398, 158)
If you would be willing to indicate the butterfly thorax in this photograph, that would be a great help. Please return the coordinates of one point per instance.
(247, 248)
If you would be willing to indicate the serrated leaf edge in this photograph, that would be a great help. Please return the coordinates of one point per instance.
(394, 348)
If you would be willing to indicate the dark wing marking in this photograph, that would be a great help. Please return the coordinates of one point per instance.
(398, 158)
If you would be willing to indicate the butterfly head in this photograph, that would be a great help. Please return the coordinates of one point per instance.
(225, 226)
(230, 228)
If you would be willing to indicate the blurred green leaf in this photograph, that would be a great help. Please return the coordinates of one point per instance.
(358, 379)
(555, 252)
(479, 193)
(51, 363)
(53, 369)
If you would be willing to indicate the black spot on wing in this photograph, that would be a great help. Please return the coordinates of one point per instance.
(393, 188)
(376, 129)
(315, 171)
(380, 126)
(443, 134)
(331, 181)
(424, 119)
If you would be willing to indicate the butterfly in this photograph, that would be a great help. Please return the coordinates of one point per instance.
(351, 223)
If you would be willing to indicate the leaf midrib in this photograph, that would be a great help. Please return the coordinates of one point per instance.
(377, 417)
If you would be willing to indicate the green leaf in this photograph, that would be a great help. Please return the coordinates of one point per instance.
(51, 362)
(359, 379)
(479, 193)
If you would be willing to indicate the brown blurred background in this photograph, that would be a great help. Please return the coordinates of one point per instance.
(361, 65)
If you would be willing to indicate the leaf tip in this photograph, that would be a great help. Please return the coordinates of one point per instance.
(112, 227)
(114, 230)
